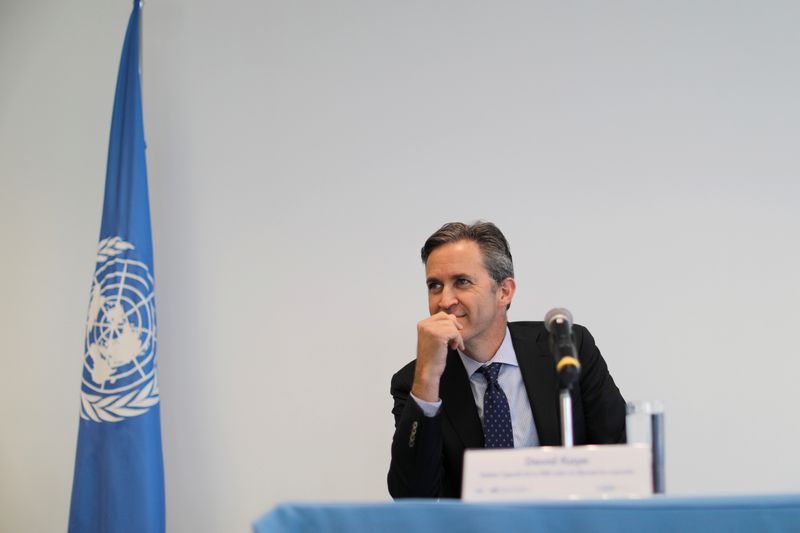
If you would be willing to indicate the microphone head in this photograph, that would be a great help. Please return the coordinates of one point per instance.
(557, 314)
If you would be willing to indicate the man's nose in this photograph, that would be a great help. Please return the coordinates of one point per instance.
(448, 299)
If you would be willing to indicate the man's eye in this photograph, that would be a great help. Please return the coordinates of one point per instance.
(462, 282)
(434, 286)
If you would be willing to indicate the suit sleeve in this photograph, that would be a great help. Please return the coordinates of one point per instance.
(416, 466)
(603, 405)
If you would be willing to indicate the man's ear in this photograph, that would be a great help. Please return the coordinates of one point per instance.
(505, 291)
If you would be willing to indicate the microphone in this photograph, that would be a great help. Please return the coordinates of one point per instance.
(559, 324)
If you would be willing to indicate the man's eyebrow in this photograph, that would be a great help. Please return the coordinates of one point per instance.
(454, 276)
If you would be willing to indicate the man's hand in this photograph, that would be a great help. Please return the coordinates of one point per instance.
(435, 335)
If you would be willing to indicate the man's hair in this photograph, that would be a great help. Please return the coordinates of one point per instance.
(493, 244)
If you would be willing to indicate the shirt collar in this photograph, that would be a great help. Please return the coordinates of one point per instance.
(505, 354)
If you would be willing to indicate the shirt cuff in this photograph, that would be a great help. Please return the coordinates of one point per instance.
(429, 409)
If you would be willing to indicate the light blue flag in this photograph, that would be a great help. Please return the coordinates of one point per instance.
(119, 476)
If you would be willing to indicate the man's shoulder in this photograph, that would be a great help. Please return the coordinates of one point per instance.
(404, 377)
(533, 329)
(526, 324)
(537, 331)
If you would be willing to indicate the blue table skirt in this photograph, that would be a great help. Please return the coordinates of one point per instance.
(777, 513)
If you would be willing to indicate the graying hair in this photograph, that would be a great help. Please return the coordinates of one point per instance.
(493, 244)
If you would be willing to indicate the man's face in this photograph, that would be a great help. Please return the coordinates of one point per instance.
(459, 284)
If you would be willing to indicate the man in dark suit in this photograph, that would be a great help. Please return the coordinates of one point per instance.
(444, 399)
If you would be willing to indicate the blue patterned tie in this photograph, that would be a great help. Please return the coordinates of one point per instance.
(496, 414)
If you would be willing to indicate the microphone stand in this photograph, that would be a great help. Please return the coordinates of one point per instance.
(566, 379)
(566, 418)
(568, 369)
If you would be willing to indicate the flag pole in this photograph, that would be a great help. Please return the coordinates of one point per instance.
(141, 26)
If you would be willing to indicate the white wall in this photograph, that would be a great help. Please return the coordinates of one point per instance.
(640, 156)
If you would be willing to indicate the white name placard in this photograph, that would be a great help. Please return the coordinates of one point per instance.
(590, 472)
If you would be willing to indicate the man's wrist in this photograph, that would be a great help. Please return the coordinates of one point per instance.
(426, 389)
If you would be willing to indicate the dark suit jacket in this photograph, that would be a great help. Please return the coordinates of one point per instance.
(427, 452)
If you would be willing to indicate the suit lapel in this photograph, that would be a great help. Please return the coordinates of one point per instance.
(539, 375)
(458, 403)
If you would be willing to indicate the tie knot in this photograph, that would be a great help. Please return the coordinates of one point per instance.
(491, 372)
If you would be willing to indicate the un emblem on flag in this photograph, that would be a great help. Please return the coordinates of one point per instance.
(119, 368)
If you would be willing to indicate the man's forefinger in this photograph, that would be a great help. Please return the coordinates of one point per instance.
(455, 320)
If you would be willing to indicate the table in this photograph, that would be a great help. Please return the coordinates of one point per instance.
(737, 514)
